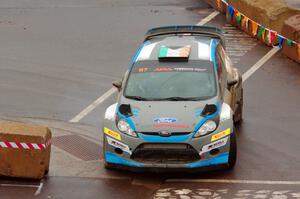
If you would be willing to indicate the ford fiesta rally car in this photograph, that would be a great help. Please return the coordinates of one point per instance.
(177, 104)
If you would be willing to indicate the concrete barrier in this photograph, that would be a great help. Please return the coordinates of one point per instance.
(269, 13)
(291, 29)
(24, 150)
(274, 15)
(217, 4)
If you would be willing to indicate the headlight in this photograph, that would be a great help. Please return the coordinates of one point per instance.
(124, 127)
(208, 127)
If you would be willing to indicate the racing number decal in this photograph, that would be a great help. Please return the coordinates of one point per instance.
(220, 135)
(111, 133)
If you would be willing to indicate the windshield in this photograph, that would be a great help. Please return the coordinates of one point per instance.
(150, 80)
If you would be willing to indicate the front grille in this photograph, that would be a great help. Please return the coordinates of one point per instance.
(165, 153)
(172, 133)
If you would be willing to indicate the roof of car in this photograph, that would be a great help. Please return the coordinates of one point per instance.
(201, 47)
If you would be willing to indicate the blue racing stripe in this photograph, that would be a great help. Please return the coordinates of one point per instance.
(114, 159)
(160, 139)
(138, 53)
(220, 159)
(213, 49)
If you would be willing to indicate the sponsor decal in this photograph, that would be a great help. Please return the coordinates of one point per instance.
(164, 120)
(112, 133)
(118, 144)
(220, 135)
(179, 126)
(190, 69)
(143, 69)
(163, 69)
(213, 145)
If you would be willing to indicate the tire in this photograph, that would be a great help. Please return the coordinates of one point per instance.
(238, 116)
(232, 151)
(107, 166)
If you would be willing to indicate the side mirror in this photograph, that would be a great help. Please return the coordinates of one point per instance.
(231, 82)
(117, 84)
(233, 78)
(125, 109)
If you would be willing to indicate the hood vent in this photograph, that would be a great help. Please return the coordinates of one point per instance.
(209, 109)
(125, 109)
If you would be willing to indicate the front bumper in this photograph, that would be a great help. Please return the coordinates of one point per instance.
(218, 162)
(204, 146)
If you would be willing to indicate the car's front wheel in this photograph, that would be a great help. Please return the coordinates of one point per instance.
(238, 116)
(232, 151)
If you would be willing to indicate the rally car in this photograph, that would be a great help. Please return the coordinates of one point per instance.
(177, 104)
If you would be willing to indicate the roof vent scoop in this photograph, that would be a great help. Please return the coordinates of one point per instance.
(209, 109)
(125, 109)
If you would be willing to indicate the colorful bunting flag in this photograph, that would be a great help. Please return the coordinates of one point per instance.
(289, 42)
(254, 27)
(230, 11)
(271, 36)
(234, 18)
(262, 32)
(263, 35)
(245, 22)
(238, 18)
(280, 41)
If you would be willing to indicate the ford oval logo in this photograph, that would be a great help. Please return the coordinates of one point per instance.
(164, 120)
(164, 133)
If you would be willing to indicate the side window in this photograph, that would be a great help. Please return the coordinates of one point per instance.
(219, 66)
(220, 73)
(221, 69)
(221, 51)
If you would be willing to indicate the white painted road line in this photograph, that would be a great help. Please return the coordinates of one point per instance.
(19, 185)
(39, 189)
(261, 62)
(92, 106)
(208, 18)
(111, 91)
(228, 181)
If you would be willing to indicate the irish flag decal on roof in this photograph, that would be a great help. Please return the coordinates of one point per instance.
(177, 53)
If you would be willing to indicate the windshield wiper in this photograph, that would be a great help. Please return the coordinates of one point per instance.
(180, 99)
(139, 98)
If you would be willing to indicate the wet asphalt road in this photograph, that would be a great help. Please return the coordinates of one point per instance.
(57, 57)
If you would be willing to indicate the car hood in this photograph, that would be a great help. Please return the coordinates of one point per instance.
(171, 116)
